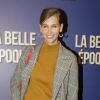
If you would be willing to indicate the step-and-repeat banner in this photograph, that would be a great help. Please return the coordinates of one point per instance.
(19, 27)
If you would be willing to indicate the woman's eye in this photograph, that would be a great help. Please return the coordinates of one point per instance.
(44, 26)
(54, 26)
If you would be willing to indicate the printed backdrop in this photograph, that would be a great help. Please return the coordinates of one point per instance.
(19, 26)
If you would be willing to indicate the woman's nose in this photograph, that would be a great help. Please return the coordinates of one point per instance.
(49, 30)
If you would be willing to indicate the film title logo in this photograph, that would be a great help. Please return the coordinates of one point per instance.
(87, 44)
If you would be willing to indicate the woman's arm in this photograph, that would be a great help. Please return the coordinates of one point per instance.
(15, 80)
(73, 81)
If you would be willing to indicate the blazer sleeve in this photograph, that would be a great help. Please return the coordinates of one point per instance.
(73, 80)
(15, 79)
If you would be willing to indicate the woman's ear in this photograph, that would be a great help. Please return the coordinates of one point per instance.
(61, 27)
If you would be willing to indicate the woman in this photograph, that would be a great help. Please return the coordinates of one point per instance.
(49, 71)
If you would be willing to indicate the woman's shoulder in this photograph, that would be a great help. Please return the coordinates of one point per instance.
(68, 53)
(26, 51)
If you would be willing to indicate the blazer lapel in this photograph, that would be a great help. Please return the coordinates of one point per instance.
(28, 69)
(62, 67)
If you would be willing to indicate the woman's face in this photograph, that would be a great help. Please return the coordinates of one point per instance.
(50, 29)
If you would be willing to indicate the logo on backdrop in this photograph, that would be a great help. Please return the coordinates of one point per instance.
(14, 39)
(89, 48)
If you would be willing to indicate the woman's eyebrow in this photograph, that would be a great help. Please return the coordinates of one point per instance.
(52, 24)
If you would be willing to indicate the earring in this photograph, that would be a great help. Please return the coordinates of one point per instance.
(60, 35)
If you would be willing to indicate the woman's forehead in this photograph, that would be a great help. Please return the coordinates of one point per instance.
(52, 19)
